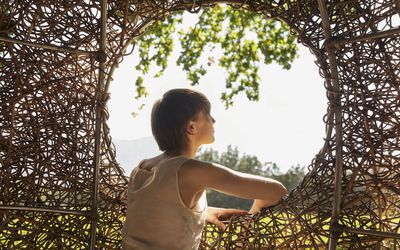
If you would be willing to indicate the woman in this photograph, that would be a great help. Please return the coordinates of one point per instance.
(167, 205)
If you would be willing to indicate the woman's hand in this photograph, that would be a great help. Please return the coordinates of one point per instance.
(259, 204)
(214, 214)
(254, 211)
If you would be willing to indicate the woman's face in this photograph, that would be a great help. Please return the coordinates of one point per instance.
(205, 128)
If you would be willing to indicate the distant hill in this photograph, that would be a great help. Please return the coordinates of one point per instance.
(131, 152)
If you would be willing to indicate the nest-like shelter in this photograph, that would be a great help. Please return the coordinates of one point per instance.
(62, 188)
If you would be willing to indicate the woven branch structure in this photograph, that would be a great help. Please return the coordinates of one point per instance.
(62, 188)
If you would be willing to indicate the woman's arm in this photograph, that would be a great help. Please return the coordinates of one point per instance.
(203, 175)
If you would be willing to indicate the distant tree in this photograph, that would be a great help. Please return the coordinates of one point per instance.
(247, 164)
(292, 177)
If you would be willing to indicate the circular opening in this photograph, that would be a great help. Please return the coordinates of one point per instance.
(285, 127)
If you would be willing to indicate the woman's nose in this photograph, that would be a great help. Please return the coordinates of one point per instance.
(212, 119)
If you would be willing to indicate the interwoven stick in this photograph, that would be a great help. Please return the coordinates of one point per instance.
(49, 73)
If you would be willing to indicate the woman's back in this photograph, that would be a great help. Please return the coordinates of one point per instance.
(157, 217)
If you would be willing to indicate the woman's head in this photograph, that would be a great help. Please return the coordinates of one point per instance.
(171, 115)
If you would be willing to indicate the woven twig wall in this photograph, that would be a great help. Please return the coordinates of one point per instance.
(62, 188)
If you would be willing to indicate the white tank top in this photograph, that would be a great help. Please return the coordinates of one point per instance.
(156, 216)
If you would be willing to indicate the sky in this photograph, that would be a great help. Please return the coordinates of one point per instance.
(285, 126)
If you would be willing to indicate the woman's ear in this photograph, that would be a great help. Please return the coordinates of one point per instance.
(191, 127)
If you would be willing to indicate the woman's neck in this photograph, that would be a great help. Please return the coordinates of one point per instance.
(189, 152)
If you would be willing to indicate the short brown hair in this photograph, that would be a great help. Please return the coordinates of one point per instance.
(172, 112)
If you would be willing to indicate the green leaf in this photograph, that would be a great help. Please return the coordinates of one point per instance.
(229, 29)
(140, 88)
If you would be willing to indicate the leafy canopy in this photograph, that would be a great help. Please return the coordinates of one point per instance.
(244, 37)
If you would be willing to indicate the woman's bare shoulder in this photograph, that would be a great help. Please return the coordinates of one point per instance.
(151, 162)
(195, 163)
(198, 168)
